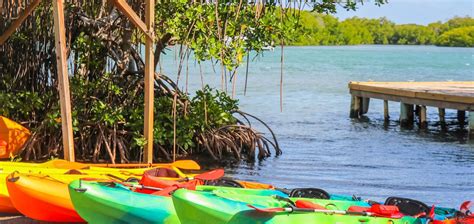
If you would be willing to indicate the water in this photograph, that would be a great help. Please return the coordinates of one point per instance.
(323, 148)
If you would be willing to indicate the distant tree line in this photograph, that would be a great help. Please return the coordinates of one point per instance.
(320, 29)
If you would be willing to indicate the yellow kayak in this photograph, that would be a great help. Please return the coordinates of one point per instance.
(72, 170)
(60, 163)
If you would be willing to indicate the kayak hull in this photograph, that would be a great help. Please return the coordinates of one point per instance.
(42, 198)
(99, 203)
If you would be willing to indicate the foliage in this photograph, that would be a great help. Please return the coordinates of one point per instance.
(458, 37)
(106, 73)
(322, 29)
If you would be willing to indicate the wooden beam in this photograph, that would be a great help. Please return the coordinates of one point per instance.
(61, 60)
(149, 80)
(17, 23)
(127, 10)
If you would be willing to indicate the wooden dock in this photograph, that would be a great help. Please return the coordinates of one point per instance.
(414, 97)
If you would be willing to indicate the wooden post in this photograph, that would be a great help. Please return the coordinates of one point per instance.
(417, 110)
(355, 107)
(462, 117)
(442, 114)
(364, 105)
(149, 81)
(61, 61)
(127, 10)
(423, 121)
(406, 115)
(471, 125)
(386, 115)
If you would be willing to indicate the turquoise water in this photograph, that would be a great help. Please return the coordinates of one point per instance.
(323, 148)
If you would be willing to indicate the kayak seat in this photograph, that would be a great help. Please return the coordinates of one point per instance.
(309, 193)
(224, 182)
(379, 210)
(408, 206)
(386, 210)
(162, 172)
(355, 208)
(308, 204)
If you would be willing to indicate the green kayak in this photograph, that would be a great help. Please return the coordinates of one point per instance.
(113, 203)
(223, 206)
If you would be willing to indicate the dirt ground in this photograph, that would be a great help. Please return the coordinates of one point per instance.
(17, 219)
(8, 219)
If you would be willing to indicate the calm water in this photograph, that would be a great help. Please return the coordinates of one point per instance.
(324, 148)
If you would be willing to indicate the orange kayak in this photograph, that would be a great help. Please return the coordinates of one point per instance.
(41, 197)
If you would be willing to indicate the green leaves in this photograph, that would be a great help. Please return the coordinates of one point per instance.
(319, 29)
(458, 37)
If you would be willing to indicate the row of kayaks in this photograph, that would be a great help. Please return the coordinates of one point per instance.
(60, 191)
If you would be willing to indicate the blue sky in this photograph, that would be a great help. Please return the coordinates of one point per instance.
(413, 11)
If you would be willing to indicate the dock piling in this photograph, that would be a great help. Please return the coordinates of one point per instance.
(442, 116)
(406, 114)
(355, 107)
(365, 105)
(471, 124)
(386, 115)
(423, 121)
(417, 110)
(462, 117)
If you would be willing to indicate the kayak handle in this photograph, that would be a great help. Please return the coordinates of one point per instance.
(80, 190)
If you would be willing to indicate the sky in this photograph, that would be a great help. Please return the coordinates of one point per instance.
(413, 11)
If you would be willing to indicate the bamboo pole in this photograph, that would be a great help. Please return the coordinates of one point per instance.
(17, 23)
(149, 81)
(61, 61)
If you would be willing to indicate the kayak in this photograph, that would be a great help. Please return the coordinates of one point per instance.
(64, 164)
(45, 197)
(114, 203)
(153, 178)
(12, 137)
(6, 205)
(105, 202)
(222, 207)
